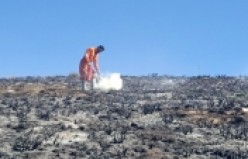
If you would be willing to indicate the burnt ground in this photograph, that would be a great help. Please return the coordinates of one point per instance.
(151, 117)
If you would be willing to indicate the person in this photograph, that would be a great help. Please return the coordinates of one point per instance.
(89, 65)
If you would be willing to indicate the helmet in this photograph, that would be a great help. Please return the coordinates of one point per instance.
(100, 48)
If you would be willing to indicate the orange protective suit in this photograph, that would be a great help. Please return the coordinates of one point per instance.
(85, 69)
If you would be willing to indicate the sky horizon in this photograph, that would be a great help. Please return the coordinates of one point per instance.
(168, 37)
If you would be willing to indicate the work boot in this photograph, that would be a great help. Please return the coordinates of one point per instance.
(84, 86)
(93, 84)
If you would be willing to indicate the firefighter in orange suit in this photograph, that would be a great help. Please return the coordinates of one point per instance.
(89, 65)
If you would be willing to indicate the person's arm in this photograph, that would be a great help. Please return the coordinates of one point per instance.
(96, 65)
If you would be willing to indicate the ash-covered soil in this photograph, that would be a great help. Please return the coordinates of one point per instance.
(151, 117)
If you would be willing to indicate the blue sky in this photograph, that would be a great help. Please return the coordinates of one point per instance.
(173, 37)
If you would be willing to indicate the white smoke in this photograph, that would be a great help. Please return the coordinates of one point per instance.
(108, 82)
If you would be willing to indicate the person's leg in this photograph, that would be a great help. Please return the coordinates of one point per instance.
(83, 75)
(91, 77)
(93, 83)
(84, 85)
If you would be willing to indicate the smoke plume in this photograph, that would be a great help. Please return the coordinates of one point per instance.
(112, 81)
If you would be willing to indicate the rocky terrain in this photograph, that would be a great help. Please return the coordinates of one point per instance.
(153, 117)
